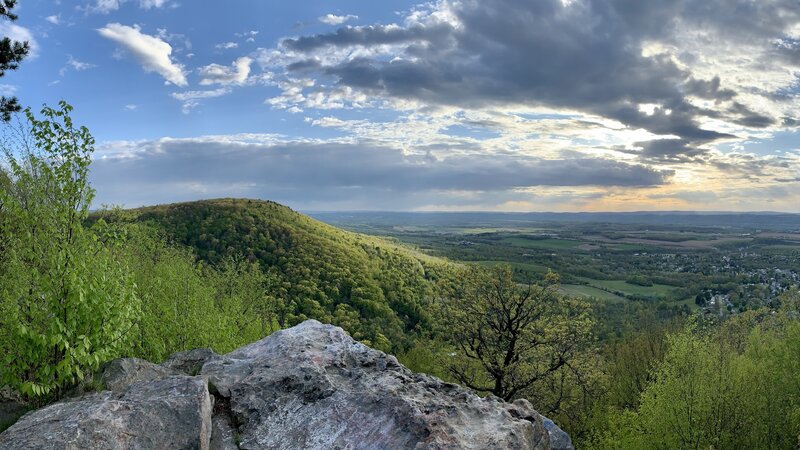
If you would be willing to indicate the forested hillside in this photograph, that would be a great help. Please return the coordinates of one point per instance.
(377, 291)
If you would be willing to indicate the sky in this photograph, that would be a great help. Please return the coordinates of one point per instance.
(501, 105)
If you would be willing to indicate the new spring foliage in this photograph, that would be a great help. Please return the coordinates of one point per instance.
(66, 302)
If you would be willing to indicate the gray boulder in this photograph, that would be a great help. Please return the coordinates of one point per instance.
(168, 413)
(119, 374)
(559, 440)
(313, 386)
(189, 362)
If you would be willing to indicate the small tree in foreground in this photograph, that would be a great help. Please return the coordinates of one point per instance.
(66, 304)
(513, 337)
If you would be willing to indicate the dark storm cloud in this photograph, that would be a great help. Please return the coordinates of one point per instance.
(742, 20)
(314, 171)
(304, 65)
(709, 89)
(746, 117)
(367, 36)
(673, 150)
(751, 167)
(673, 118)
(788, 50)
(586, 56)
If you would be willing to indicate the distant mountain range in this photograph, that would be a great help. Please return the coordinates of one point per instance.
(738, 220)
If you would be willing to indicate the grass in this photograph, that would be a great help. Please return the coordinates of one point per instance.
(688, 302)
(630, 247)
(579, 290)
(516, 265)
(484, 230)
(548, 243)
(661, 290)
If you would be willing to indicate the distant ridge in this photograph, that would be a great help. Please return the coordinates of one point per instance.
(778, 221)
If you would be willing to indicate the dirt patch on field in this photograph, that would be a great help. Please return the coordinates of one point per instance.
(794, 237)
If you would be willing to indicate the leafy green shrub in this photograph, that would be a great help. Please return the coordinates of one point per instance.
(66, 304)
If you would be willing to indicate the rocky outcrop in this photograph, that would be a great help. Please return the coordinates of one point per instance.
(310, 386)
(172, 412)
(313, 386)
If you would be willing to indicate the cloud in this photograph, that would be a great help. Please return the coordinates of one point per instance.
(237, 73)
(191, 99)
(306, 171)
(20, 34)
(672, 68)
(249, 36)
(147, 4)
(689, 196)
(54, 19)
(151, 52)
(76, 65)
(332, 19)
(178, 41)
(7, 89)
(107, 6)
(226, 46)
(103, 6)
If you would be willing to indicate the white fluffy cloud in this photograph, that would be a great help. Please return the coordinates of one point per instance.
(151, 52)
(107, 6)
(237, 73)
(226, 46)
(191, 99)
(333, 19)
(147, 4)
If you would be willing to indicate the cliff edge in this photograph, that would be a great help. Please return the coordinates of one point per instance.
(307, 387)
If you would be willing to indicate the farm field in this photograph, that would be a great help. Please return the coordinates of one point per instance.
(579, 290)
(665, 260)
(631, 289)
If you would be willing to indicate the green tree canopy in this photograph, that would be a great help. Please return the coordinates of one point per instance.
(511, 336)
